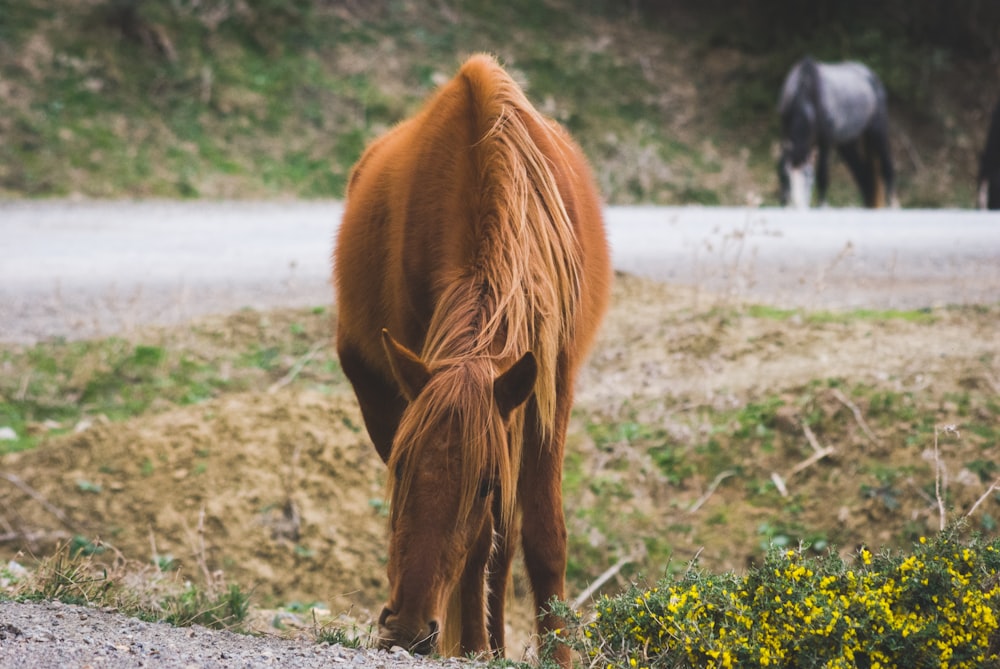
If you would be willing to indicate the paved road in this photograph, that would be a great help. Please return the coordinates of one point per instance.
(82, 269)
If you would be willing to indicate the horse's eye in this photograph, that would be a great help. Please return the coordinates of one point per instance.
(485, 488)
(399, 470)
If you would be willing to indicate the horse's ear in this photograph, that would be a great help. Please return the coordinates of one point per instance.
(512, 388)
(410, 371)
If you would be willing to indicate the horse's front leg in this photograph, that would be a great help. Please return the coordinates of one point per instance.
(504, 546)
(381, 403)
(880, 140)
(543, 525)
(473, 597)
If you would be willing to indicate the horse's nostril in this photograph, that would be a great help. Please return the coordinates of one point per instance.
(384, 616)
(433, 625)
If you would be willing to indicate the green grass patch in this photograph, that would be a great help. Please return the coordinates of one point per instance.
(86, 573)
(49, 388)
(923, 316)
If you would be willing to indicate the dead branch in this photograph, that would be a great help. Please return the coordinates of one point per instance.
(22, 391)
(296, 368)
(938, 475)
(857, 413)
(811, 460)
(779, 483)
(720, 477)
(812, 438)
(582, 598)
(819, 452)
(995, 486)
(18, 483)
(209, 581)
(197, 542)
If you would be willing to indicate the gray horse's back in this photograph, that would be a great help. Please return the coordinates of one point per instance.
(851, 96)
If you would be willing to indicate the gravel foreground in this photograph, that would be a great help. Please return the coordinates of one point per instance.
(53, 634)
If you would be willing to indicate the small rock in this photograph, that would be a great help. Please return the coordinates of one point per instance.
(7, 434)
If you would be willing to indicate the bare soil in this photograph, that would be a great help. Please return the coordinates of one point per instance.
(282, 492)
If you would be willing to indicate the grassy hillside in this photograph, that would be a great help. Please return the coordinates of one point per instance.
(271, 99)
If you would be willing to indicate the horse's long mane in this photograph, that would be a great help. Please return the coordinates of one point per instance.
(518, 292)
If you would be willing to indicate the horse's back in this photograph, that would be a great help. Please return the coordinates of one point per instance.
(413, 210)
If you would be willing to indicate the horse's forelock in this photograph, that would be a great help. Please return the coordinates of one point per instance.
(458, 397)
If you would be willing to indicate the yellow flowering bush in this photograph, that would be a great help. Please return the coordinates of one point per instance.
(938, 607)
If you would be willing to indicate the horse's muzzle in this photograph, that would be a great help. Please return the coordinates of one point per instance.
(392, 632)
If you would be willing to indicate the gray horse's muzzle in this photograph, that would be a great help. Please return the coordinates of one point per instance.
(799, 184)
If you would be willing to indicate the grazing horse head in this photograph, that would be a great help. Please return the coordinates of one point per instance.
(840, 106)
(799, 107)
(457, 421)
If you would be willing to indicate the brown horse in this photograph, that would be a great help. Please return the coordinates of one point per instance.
(472, 272)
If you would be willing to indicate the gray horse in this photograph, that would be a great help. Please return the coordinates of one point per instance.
(834, 105)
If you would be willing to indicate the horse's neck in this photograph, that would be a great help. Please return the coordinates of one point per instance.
(465, 324)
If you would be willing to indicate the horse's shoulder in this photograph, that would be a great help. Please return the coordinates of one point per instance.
(375, 153)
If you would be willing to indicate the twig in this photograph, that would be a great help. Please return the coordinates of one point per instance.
(856, 411)
(296, 368)
(22, 391)
(156, 553)
(720, 477)
(779, 483)
(920, 491)
(812, 438)
(819, 452)
(938, 467)
(995, 486)
(582, 598)
(812, 459)
(198, 547)
(37, 496)
(210, 582)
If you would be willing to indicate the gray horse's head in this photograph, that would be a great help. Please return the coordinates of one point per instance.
(799, 130)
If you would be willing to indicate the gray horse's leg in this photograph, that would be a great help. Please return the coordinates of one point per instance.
(856, 157)
(822, 173)
(879, 143)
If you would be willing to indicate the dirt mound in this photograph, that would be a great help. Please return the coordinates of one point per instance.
(282, 492)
